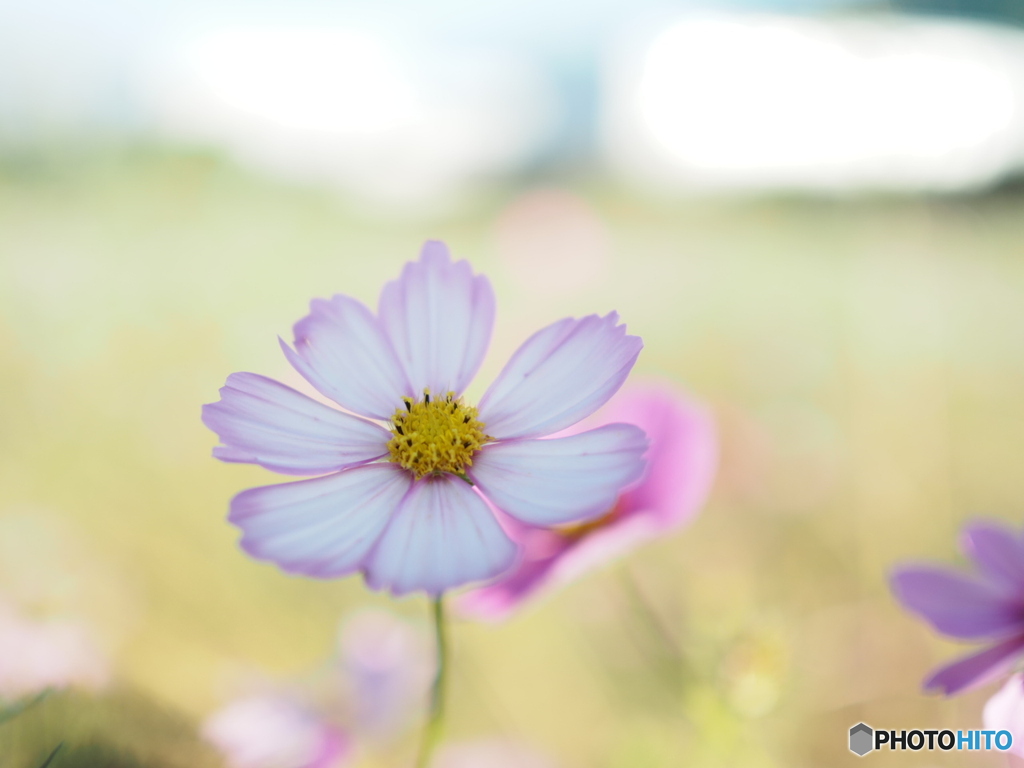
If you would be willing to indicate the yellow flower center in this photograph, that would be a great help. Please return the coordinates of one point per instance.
(435, 435)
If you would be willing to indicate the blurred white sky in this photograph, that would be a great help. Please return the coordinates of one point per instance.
(772, 101)
(410, 101)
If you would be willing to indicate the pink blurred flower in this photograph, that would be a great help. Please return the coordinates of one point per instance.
(387, 666)
(272, 731)
(36, 655)
(490, 753)
(368, 692)
(1005, 712)
(555, 233)
(404, 502)
(681, 463)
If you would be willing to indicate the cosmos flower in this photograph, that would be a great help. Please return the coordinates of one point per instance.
(681, 462)
(405, 502)
(272, 731)
(1005, 712)
(987, 606)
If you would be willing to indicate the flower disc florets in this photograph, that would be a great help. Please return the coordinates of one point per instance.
(433, 436)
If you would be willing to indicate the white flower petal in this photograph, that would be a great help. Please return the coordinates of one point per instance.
(438, 316)
(443, 536)
(341, 350)
(322, 527)
(261, 421)
(559, 375)
(564, 479)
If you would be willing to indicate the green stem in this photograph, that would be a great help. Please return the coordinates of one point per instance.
(435, 717)
(52, 755)
(656, 628)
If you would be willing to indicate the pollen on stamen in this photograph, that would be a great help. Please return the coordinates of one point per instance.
(435, 435)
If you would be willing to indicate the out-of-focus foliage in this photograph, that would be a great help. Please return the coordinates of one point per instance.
(863, 357)
(121, 729)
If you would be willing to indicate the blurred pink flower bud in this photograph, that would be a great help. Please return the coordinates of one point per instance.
(387, 666)
(35, 655)
(270, 731)
(490, 753)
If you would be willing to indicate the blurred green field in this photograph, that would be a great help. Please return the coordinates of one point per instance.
(865, 360)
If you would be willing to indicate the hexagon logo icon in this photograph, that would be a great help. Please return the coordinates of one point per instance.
(861, 739)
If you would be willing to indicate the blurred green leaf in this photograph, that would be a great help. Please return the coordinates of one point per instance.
(15, 709)
(52, 755)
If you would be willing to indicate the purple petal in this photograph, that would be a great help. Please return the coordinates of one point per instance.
(263, 422)
(957, 605)
(438, 316)
(560, 375)
(998, 553)
(563, 479)
(976, 669)
(442, 537)
(341, 350)
(322, 527)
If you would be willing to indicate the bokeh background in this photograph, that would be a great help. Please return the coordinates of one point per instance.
(811, 212)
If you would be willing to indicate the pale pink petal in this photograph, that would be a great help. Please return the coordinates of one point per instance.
(337, 749)
(263, 422)
(563, 479)
(1005, 712)
(682, 458)
(268, 731)
(439, 317)
(442, 537)
(560, 375)
(490, 753)
(36, 655)
(341, 350)
(322, 527)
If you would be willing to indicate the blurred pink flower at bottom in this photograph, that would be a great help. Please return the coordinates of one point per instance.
(1005, 712)
(681, 463)
(490, 753)
(387, 667)
(273, 732)
(36, 655)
